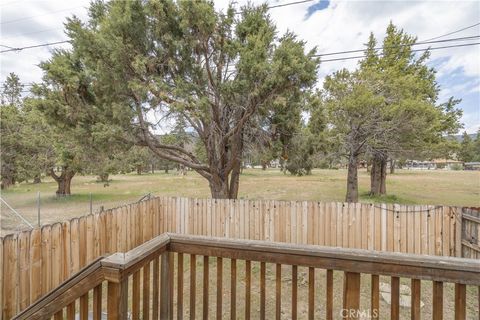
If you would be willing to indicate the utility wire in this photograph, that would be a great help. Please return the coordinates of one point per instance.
(456, 31)
(16, 35)
(288, 4)
(415, 44)
(416, 50)
(282, 5)
(346, 58)
(39, 15)
(35, 46)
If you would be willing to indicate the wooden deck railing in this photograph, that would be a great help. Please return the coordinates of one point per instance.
(148, 282)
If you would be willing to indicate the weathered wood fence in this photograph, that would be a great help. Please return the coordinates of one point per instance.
(172, 277)
(37, 261)
(471, 233)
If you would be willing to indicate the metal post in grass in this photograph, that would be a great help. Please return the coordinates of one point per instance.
(38, 208)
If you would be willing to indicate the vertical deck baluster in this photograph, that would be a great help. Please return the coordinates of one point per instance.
(205, 287)
(262, 290)
(416, 294)
(248, 287)
(395, 298)
(375, 296)
(58, 315)
(311, 293)
(171, 281)
(219, 287)
(156, 288)
(136, 296)
(180, 286)
(460, 301)
(166, 277)
(437, 300)
(71, 311)
(84, 307)
(278, 291)
(193, 282)
(351, 295)
(97, 302)
(146, 292)
(294, 291)
(329, 295)
(233, 289)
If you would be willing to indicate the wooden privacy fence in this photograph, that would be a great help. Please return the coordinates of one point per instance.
(159, 278)
(471, 233)
(34, 262)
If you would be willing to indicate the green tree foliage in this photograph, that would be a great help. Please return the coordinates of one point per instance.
(301, 161)
(469, 149)
(350, 105)
(387, 108)
(216, 70)
(26, 151)
(410, 119)
(10, 126)
(12, 91)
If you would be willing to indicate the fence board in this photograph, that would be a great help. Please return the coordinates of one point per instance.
(24, 270)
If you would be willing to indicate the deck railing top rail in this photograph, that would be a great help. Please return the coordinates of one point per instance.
(117, 267)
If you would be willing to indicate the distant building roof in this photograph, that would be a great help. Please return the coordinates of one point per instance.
(445, 161)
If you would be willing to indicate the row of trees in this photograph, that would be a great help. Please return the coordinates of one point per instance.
(231, 87)
(32, 147)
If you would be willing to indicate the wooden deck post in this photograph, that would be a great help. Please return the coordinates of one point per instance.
(166, 274)
(351, 295)
(117, 301)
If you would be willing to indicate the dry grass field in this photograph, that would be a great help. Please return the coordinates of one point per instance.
(460, 188)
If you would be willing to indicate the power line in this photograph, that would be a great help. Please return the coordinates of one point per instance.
(35, 46)
(39, 15)
(416, 50)
(288, 4)
(415, 44)
(456, 31)
(282, 5)
(30, 33)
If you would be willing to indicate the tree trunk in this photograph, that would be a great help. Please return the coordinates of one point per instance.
(264, 165)
(352, 179)
(37, 179)
(139, 170)
(234, 181)
(6, 182)
(383, 178)
(378, 176)
(392, 166)
(104, 177)
(8, 176)
(153, 168)
(219, 188)
(64, 181)
(166, 169)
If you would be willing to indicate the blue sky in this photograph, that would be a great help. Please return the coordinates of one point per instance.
(328, 25)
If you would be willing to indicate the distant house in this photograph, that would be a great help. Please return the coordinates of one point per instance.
(472, 166)
(445, 164)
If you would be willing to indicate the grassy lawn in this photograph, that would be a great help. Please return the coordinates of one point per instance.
(460, 188)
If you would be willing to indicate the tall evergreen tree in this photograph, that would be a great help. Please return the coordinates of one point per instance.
(410, 117)
(216, 70)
